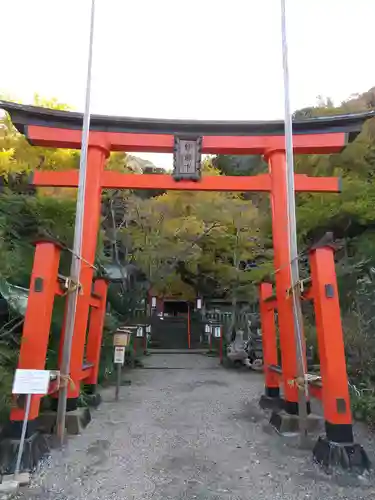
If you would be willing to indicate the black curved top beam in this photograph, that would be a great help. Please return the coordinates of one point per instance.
(24, 115)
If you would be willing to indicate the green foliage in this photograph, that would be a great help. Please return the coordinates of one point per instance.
(363, 407)
(22, 220)
(51, 103)
(240, 165)
(187, 243)
(8, 359)
(351, 217)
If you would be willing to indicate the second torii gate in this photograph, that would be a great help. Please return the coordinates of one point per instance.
(61, 129)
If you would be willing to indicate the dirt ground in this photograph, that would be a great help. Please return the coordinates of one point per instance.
(188, 429)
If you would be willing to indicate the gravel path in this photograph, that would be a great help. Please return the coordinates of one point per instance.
(189, 431)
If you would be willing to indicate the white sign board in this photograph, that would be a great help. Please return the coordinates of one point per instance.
(119, 357)
(121, 339)
(31, 382)
(140, 331)
(217, 332)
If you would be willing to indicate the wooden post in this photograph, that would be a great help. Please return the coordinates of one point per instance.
(95, 334)
(335, 391)
(135, 341)
(145, 342)
(37, 324)
(95, 166)
(221, 345)
(338, 446)
(188, 327)
(269, 341)
(277, 167)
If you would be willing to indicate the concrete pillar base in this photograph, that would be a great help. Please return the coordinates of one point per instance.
(35, 447)
(270, 403)
(23, 478)
(8, 488)
(348, 456)
(75, 421)
(285, 423)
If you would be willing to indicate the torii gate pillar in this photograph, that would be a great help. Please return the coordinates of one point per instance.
(277, 168)
(96, 157)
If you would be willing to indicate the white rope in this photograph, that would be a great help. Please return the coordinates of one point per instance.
(301, 382)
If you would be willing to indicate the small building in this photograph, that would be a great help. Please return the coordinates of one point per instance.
(178, 324)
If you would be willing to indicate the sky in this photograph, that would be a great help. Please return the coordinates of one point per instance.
(197, 59)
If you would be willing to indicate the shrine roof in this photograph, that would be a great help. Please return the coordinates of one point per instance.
(24, 115)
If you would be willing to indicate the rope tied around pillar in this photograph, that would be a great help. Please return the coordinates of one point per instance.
(299, 286)
(70, 286)
(301, 382)
(64, 381)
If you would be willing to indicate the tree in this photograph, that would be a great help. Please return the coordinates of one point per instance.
(193, 242)
(18, 158)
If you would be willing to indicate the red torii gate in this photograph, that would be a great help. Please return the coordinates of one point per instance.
(61, 129)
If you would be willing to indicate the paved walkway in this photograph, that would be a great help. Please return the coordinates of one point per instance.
(192, 432)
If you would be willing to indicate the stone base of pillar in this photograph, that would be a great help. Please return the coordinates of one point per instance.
(339, 433)
(271, 403)
(75, 421)
(284, 423)
(35, 447)
(8, 487)
(348, 456)
(291, 407)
